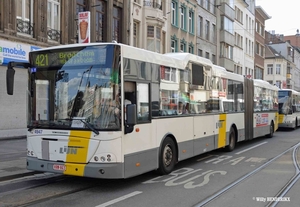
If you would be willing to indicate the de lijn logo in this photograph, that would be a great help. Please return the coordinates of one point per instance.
(13, 51)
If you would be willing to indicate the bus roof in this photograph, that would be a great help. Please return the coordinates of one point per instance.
(264, 84)
(288, 89)
(189, 57)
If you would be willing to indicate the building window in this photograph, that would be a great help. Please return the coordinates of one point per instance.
(207, 4)
(207, 30)
(191, 48)
(257, 46)
(258, 72)
(53, 20)
(262, 50)
(278, 69)
(230, 3)
(158, 39)
(226, 50)
(200, 53)
(182, 17)
(262, 30)
(238, 15)
(227, 24)
(24, 12)
(191, 21)
(238, 40)
(163, 42)
(207, 55)
(100, 20)
(213, 59)
(213, 33)
(182, 47)
(169, 74)
(199, 28)
(80, 6)
(116, 24)
(153, 38)
(270, 69)
(136, 34)
(174, 13)
(173, 45)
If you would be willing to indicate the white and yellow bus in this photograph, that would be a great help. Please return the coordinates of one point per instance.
(289, 108)
(108, 110)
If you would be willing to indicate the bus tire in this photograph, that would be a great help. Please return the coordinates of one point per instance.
(167, 156)
(232, 141)
(271, 131)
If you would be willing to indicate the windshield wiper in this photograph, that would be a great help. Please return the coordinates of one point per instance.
(89, 126)
(86, 124)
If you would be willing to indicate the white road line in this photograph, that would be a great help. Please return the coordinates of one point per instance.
(119, 199)
(203, 158)
(240, 152)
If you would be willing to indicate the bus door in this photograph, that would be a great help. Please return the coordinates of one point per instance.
(249, 108)
(139, 139)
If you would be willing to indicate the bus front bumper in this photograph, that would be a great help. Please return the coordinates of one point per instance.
(93, 170)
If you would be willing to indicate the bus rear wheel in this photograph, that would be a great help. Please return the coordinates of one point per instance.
(167, 156)
(232, 141)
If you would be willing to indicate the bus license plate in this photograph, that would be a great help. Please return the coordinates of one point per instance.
(59, 167)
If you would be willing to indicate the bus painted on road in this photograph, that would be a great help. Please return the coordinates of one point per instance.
(289, 108)
(109, 110)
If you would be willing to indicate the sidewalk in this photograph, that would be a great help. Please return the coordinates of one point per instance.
(13, 167)
(12, 134)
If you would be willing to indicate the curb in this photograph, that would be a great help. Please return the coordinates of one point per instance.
(12, 138)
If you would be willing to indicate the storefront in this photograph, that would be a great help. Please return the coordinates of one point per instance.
(13, 108)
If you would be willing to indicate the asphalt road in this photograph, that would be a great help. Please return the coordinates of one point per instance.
(261, 172)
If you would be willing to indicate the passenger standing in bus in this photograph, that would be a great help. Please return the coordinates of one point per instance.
(180, 107)
(186, 108)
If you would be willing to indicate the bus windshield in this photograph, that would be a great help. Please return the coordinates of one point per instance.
(75, 88)
(285, 106)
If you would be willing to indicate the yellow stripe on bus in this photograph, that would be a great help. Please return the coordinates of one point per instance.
(222, 131)
(281, 118)
(78, 146)
(74, 169)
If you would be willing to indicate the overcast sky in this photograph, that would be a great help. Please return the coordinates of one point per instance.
(284, 15)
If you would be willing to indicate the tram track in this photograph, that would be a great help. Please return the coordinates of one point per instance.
(281, 192)
(42, 200)
(64, 185)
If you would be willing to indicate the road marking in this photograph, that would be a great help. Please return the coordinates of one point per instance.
(203, 158)
(119, 199)
(240, 152)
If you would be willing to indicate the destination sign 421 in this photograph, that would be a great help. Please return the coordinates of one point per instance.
(73, 57)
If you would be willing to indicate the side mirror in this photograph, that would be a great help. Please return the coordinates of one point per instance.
(131, 114)
(10, 74)
(131, 118)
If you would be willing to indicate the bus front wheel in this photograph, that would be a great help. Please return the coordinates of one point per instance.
(232, 141)
(167, 156)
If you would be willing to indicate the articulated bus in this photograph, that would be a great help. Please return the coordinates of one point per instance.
(108, 110)
(289, 108)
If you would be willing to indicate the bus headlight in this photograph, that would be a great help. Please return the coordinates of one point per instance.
(104, 158)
